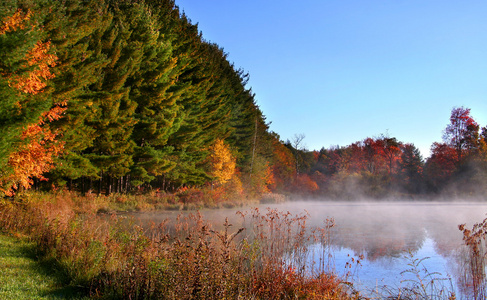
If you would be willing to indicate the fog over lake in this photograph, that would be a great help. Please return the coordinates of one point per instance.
(385, 233)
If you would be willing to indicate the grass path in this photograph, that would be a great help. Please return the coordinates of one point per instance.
(22, 276)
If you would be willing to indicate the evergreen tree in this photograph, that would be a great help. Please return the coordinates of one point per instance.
(74, 27)
(246, 120)
(125, 46)
(154, 90)
(205, 108)
(411, 168)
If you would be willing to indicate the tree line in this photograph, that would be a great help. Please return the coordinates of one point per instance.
(384, 167)
(118, 95)
(126, 96)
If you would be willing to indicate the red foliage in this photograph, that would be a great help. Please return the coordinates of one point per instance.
(442, 162)
(305, 185)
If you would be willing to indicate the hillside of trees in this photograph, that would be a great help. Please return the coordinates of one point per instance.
(118, 96)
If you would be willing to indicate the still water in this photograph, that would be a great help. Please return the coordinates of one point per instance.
(389, 236)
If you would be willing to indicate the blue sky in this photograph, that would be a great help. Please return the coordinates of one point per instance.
(339, 71)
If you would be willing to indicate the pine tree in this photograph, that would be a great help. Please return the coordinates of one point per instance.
(203, 117)
(154, 90)
(75, 29)
(411, 168)
(124, 45)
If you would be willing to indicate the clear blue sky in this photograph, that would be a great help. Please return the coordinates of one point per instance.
(343, 70)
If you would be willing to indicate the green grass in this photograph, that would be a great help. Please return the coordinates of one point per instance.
(23, 276)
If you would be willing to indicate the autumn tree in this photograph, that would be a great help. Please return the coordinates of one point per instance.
(441, 165)
(462, 132)
(17, 109)
(375, 154)
(483, 145)
(391, 151)
(28, 145)
(283, 166)
(222, 162)
(36, 156)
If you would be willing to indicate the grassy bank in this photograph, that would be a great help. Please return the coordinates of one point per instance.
(23, 276)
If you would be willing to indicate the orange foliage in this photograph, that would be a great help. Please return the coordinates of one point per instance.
(222, 162)
(268, 177)
(38, 58)
(357, 162)
(34, 81)
(304, 184)
(377, 156)
(319, 178)
(35, 157)
(16, 21)
(35, 154)
(283, 168)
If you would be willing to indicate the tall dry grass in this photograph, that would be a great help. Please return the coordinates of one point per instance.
(276, 249)
(112, 257)
(474, 278)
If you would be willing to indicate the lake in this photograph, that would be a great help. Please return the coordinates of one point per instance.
(388, 236)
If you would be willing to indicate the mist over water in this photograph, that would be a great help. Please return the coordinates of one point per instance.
(384, 233)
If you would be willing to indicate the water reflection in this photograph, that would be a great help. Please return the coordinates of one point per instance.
(384, 233)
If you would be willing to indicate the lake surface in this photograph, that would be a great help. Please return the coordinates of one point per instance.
(388, 235)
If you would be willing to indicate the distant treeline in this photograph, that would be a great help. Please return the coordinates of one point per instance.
(123, 96)
(383, 167)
